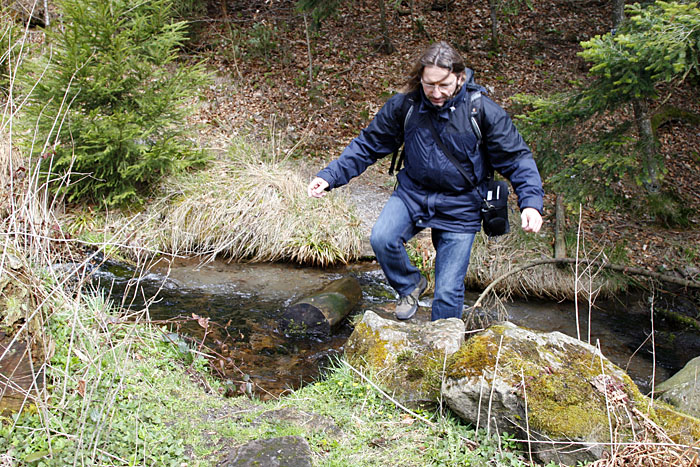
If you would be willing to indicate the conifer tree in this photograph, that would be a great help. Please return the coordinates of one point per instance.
(107, 99)
(659, 43)
(656, 46)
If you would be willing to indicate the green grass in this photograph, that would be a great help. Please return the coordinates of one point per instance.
(103, 402)
(119, 393)
(377, 433)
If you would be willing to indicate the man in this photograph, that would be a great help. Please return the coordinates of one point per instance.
(432, 191)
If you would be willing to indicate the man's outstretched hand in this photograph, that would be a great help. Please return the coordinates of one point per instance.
(317, 188)
(532, 220)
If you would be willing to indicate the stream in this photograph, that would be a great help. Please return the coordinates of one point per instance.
(243, 304)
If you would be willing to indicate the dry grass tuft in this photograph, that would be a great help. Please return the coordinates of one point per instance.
(9, 165)
(492, 258)
(652, 448)
(650, 455)
(248, 208)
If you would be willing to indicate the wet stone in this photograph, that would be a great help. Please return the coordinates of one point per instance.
(682, 390)
(286, 451)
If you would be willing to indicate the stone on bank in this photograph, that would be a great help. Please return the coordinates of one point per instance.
(559, 393)
(682, 390)
(406, 358)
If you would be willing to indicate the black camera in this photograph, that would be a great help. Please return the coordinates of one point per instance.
(494, 209)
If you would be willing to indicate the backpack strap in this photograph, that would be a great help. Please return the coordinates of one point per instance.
(406, 111)
(475, 112)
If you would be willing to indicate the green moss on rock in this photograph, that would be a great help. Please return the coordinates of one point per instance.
(398, 357)
(555, 379)
(681, 428)
(365, 348)
(473, 359)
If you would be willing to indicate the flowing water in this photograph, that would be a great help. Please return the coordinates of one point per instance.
(244, 302)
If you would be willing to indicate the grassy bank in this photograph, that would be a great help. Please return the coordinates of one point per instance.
(118, 391)
(251, 205)
(114, 389)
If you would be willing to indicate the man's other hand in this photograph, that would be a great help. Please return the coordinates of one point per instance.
(317, 188)
(531, 220)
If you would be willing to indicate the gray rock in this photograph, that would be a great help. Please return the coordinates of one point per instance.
(557, 392)
(287, 451)
(682, 390)
(407, 357)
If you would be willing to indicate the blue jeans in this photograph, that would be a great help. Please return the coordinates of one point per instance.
(393, 228)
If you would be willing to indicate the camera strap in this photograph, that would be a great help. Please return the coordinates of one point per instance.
(484, 204)
(448, 153)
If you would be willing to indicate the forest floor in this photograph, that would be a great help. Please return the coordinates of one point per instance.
(260, 54)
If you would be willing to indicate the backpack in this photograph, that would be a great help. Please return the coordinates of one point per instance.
(407, 109)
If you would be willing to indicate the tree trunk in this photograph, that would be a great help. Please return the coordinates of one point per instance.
(560, 228)
(308, 51)
(447, 22)
(317, 314)
(386, 46)
(618, 13)
(647, 145)
(493, 12)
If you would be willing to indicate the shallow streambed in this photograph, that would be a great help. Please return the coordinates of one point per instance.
(244, 303)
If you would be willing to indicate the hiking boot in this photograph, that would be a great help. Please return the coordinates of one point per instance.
(408, 304)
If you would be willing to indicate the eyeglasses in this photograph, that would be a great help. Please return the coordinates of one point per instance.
(441, 87)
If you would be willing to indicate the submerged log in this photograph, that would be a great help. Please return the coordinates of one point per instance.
(318, 314)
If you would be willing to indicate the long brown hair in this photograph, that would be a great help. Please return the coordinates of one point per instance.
(439, 54)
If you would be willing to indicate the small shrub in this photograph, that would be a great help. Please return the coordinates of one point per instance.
(668, 210)
(107, 102)
(261, 41)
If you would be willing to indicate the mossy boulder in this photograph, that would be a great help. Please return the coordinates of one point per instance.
(406, 358)
(682, 390)
(559, 393)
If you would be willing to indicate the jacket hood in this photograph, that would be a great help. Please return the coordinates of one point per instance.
(469, 78)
